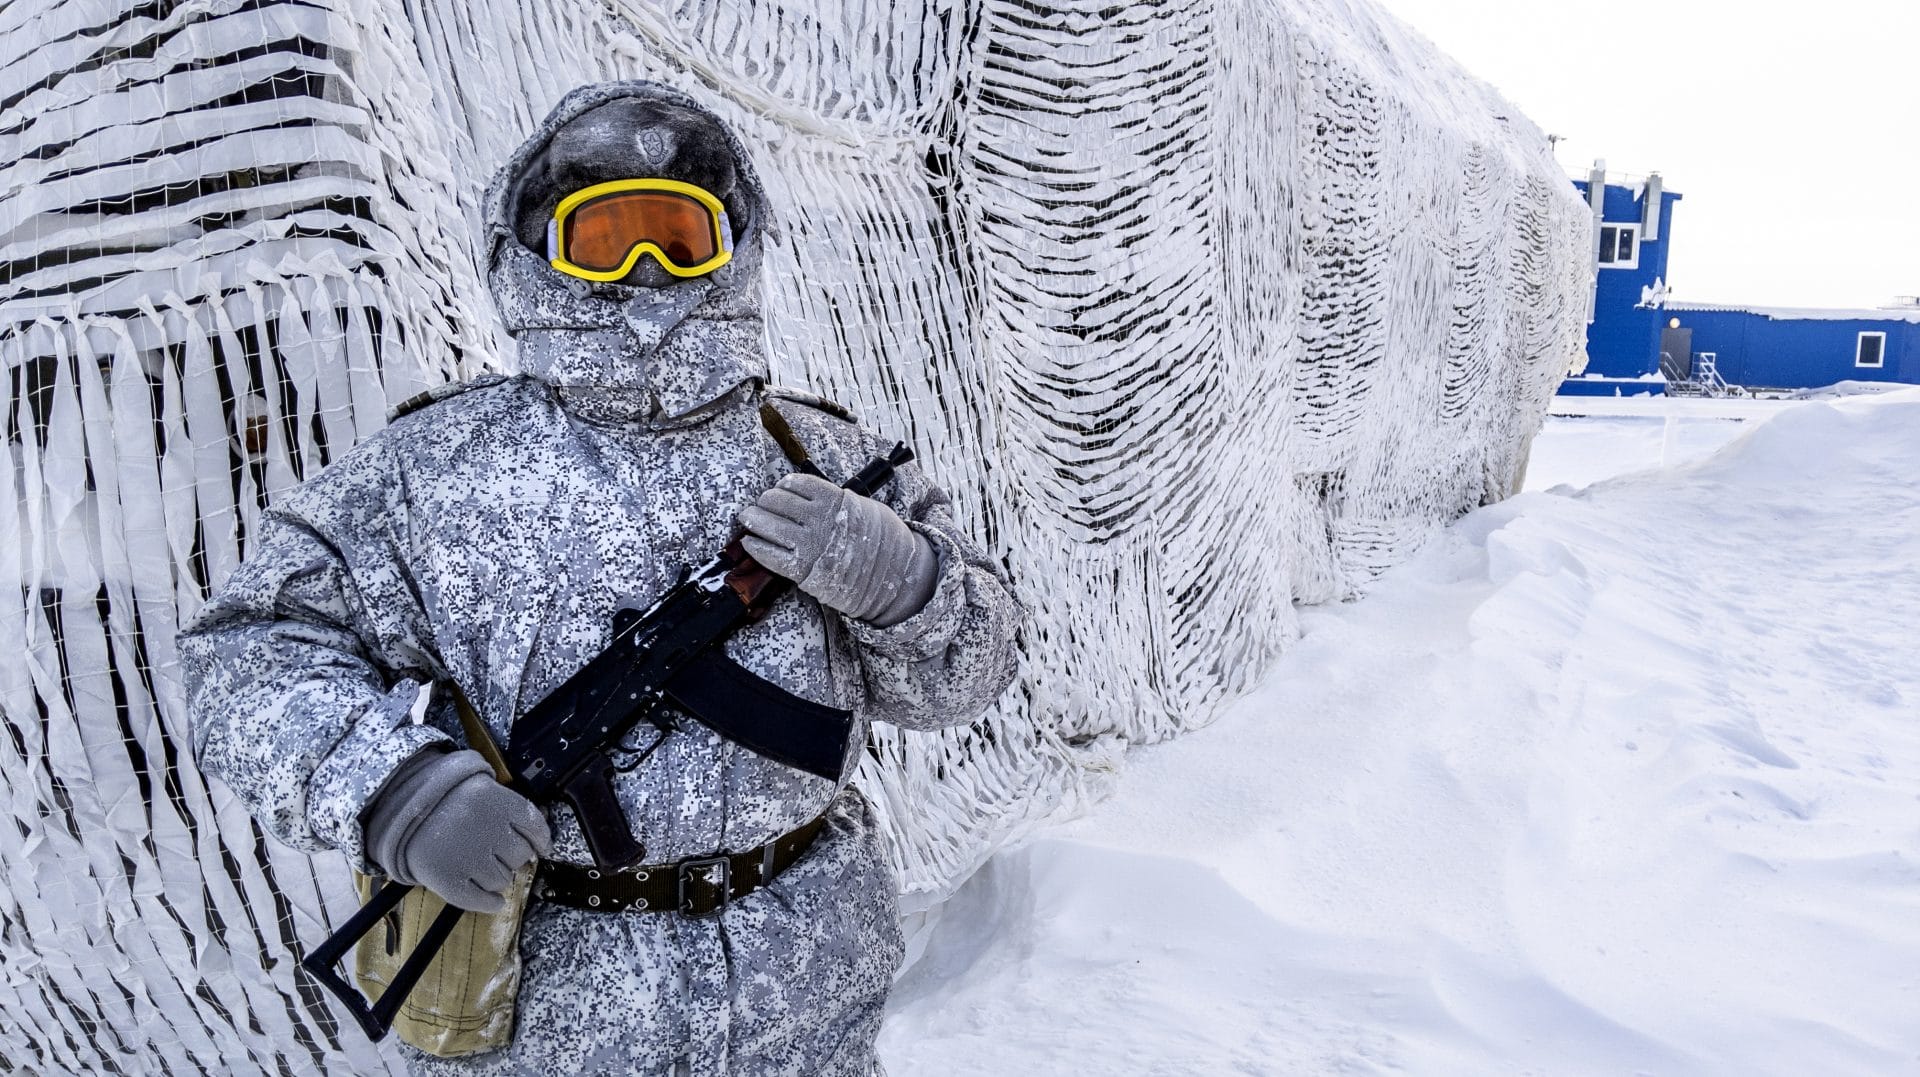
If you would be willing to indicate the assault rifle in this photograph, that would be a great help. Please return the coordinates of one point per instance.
(560, 749)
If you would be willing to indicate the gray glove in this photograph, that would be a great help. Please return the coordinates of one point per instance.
(444, 823)
(852, 553)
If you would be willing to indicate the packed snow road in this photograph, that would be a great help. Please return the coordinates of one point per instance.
(1613, 780)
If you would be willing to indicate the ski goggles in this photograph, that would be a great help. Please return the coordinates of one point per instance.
(600, 232)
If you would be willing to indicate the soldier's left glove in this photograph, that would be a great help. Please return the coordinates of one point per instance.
(852, 553)
(441, 821)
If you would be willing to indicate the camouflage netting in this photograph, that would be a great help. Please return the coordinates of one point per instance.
(1200, 310)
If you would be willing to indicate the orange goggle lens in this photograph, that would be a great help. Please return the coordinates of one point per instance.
(602, 232)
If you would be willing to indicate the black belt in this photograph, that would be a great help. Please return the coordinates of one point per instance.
(697, 886)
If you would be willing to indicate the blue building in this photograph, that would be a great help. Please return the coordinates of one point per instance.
(1640, 343)
(1632, 236)
(1773, 348)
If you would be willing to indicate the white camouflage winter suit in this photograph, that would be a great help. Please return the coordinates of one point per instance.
(488, 539)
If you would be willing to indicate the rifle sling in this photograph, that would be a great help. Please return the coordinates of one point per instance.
(478, 738)
(777, 427)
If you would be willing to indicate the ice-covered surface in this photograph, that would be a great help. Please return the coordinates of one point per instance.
(1820, 314)
(1622, 779)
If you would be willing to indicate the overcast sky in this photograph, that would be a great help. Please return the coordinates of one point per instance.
(1793, 129)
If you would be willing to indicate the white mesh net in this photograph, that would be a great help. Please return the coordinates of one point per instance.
(1199, 310)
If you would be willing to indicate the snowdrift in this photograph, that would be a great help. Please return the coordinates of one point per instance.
(1616, 780)
(1202, 312)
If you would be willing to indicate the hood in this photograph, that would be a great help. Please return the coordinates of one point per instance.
(621, 351)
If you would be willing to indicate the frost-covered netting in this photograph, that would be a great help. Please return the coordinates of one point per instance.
(1199, 310)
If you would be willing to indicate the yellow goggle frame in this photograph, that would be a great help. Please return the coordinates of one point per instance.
(716, 213)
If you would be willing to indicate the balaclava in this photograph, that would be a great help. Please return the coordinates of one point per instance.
(654, 346)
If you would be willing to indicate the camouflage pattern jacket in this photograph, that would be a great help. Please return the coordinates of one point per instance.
(486, 540)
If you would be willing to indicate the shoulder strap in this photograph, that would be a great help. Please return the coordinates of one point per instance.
(782, 431)
(442, 392)
(811, 400)
(784, 436)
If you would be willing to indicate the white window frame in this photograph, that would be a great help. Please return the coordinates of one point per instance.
(1859, 350)
(1624, 226)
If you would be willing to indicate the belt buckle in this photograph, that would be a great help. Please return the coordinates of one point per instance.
(684, 871)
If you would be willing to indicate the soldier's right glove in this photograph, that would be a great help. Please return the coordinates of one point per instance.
(444, 823)
(852, 553)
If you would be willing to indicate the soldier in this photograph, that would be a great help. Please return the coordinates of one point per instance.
(486, 542)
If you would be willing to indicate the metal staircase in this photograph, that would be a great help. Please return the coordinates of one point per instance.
(1703, 379)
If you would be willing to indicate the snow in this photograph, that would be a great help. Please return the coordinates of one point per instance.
(1817, 314)
(1621, 778)
(1586, 450)
(1850, 388)
(1670, 407)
